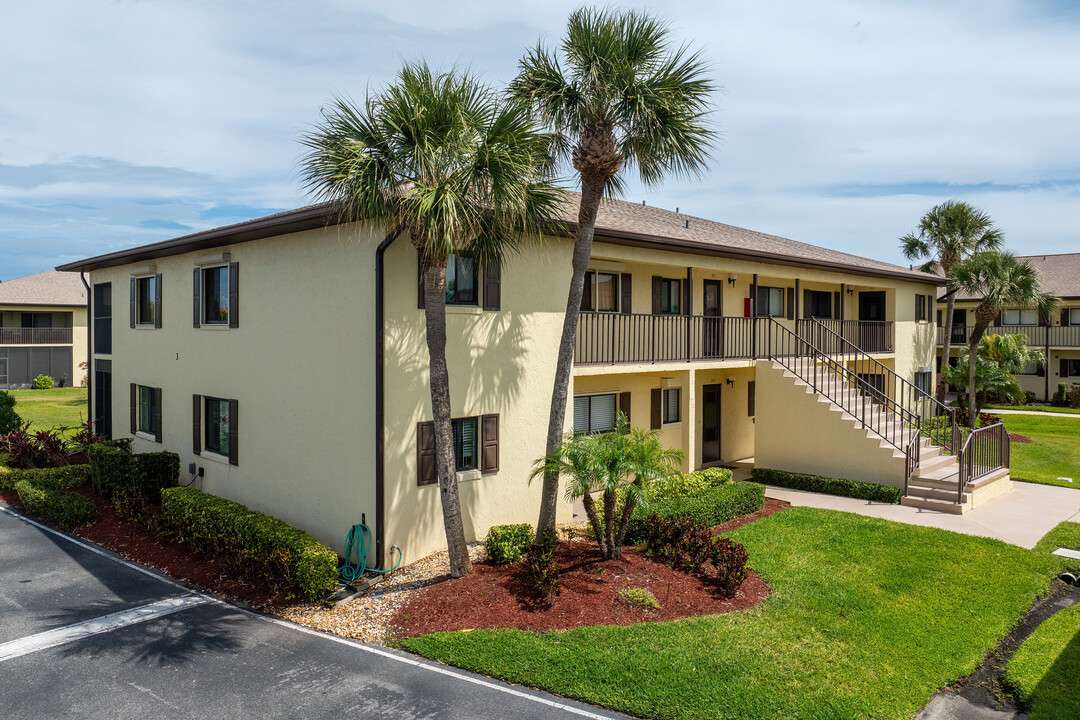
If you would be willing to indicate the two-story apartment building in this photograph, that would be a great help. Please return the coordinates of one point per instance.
(285, 359)
(1057, 336)
(42, 329)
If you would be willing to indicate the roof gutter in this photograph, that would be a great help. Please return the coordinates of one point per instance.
(380, 399)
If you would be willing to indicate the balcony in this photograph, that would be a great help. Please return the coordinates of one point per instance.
(870, 336)
(35, 336)
(1062, 336)
(616, 339)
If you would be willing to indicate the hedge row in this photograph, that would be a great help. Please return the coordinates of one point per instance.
(253, 541)
(829, 486)
(712, 506)
(62, 509)
(60, 478)
(116, 470)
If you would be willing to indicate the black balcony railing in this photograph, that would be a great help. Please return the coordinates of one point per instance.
(872, 336)
(1067, 336)
(35, 336)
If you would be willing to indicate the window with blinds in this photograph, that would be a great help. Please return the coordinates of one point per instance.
(147, 410)
(464, 434)
(671, 405)
(594, 413)
(217, 426)
(1020, 317)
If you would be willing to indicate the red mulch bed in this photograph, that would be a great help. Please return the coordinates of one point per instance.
(1022, 439)
(503, 596)
(174, 559)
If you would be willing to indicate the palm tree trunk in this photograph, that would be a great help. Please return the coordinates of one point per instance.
(624, 522)
(594, 520)
(950, 305)
(973, 357)
(609, 523)
(592, 190)
(435, 317)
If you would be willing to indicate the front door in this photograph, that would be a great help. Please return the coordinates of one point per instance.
(713, 330)
(872, 321)
(710, 424)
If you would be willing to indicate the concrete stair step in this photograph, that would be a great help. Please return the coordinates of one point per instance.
(947, 483)
(938, 505)
(935, 494)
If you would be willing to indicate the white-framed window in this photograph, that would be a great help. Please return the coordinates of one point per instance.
(146, 295)
(594, 413)
(460, 280)
(601, 293)
(215, 295)
(670, 296)
(148, 411)
(1020, 317)
(924, 381)
(670, 406)
(770, 301)
(1074, 316)
(464, 432)
(217, 438)
(1030, 369)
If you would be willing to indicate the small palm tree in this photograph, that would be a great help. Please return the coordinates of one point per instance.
(439, 157)
(621, 96)
(990, 378)
(623, 463)
(1001, 281)
(948, 233)
(1010, 351)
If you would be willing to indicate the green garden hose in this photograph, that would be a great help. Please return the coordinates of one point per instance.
(357, 542)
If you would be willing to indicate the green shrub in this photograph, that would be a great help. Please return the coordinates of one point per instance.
(683, 484)
(154, 472)
(119, 444)
(506, 543)
(639, 598)
(1061, 397)
(1074, 396)
(829, 486)
(61, 509)
(540, 561)
(712, 506)
(43, 382)
(689, 546)
(111, 469)
(9, 419)
(250, 541)
(1029, 397)
(60, 478)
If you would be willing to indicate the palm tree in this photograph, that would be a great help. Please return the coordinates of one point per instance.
(1001, 281)
(620, 97)
(1010, 351)
(623, 463)
(440, 157)
(990, 377)
(948, 233)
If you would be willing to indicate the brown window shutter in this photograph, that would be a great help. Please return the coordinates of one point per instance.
(489, 442)
(1063, 368)
(751, 398)
(939, 364)
(939, 318)
(234, 295)
(157, 414)
(493, 286)
(918, 307)
(790, 303)
(1065, 316)
(837, 315)
(657, 402)
(806, 304)
(134, 408)
(195, 283)
(234, 427)
(626, 305)
(419, 280)
(196, 423)
(1040, 370)
(657, 289)
(133, 281)
(624, 405)
(587, 292)
(997, 321)
(157, 300)
(427, 469)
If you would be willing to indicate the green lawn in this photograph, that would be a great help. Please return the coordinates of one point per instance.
(868, 619)
(1054, 453)
(1045, 671)
(1065, 535)
(45, 409)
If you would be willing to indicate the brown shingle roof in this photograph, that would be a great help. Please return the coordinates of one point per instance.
(44, 288)
(1058, 275)
(618, 221)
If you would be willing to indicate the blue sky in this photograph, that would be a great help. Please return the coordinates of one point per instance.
(123, 123)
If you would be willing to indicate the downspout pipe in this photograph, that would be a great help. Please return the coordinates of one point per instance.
(380, 398)
(89, 348)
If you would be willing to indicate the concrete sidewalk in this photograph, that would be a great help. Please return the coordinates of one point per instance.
(1074, 416)
(1019, 517)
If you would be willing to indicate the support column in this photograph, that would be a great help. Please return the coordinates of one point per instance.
(690, 423)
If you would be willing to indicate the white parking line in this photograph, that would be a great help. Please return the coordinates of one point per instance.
(96, 626)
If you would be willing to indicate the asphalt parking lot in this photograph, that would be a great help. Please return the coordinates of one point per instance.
(85, 634)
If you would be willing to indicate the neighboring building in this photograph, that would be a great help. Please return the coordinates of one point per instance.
(253, 350)
(1057, 336)
(42, 329)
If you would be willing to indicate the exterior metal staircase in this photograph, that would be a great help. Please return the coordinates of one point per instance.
(945, 467)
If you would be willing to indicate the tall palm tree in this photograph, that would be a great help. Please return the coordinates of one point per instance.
(948, 233)
(1001, 281)
(440, 157)
(621, 462)
(621, 96)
